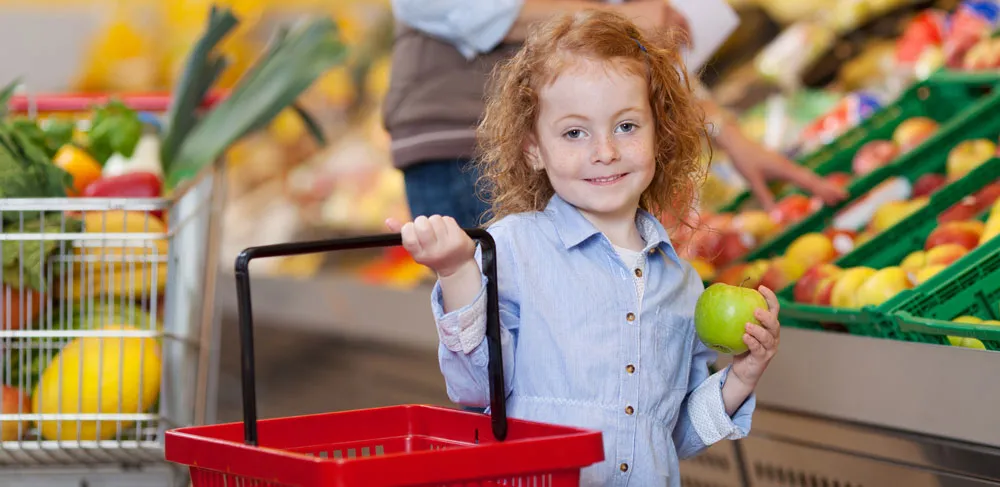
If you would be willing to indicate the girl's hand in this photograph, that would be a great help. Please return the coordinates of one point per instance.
(437, 242)
(763, 341)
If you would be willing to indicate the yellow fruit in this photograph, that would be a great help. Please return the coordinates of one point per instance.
(106, 375)
(704, 269)
(922, 275)
(120, 267)
(847, 285)
(80, 165)
(882, 286)
(967, 319)
(914, 262)
(992, 228)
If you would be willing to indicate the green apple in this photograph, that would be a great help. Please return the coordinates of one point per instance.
(721, 315)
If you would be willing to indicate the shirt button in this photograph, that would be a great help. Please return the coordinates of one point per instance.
(638, 273)
(629, 410)
(630, 368)
(630, 317)
(652, 251)
(623, 467)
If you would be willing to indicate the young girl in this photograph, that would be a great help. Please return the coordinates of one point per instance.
(592, 130)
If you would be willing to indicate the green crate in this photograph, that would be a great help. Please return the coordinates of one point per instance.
(889, 248)
(941, 97)
(978, 120)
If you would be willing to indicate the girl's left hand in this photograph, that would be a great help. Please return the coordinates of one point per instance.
(762, 340)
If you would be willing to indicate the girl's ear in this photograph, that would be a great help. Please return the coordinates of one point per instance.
(532, 154)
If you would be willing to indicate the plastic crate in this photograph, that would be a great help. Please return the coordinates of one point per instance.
(889, 248)
(941, 97)
(978, 120)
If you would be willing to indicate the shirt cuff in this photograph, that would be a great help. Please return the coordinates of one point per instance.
(707, 412)
(463, 329)
(478, 33)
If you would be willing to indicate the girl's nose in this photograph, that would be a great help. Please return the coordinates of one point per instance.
(605, 151)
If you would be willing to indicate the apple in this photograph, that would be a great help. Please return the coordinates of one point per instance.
(965, 233)
(842, 295)
(984, 55)
(793, 208)
(894, 212)
(811, 249)
(781, 273)
(968, 155)
(721, 315)
(806, 287)
(927, 184)
(824, 290)
(873, 155)
(913, 262)
(990, 230)
(882, 286)
(945, 254)
(964, 341)
(965, 209)
(756, 223)
(913, 131)
(922, 275)
(14, 401)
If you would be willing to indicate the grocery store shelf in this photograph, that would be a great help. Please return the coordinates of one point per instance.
(929, 389)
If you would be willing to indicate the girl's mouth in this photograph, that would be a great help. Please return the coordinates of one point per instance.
(606, 181)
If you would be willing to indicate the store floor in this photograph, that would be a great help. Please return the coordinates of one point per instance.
(305, 372)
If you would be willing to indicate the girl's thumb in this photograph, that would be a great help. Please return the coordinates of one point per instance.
(393, 224)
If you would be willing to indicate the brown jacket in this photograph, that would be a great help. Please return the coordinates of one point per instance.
(435, 98)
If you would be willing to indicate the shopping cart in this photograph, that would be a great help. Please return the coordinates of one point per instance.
(125, 320)
(382, 447)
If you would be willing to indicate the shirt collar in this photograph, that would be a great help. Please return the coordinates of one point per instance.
(574, 229)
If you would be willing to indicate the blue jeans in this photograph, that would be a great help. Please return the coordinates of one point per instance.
(448, 188)
(445, 187)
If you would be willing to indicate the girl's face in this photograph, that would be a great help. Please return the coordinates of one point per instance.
(595, 138)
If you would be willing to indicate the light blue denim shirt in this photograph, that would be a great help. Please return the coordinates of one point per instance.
(581, 348)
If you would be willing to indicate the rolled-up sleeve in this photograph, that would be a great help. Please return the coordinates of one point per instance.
(703, 420)
(472, 27)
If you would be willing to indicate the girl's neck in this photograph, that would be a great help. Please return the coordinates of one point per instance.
(621, 230)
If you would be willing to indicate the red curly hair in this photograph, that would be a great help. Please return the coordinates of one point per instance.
(508, 181)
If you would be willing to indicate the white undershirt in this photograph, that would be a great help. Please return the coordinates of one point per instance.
(635, 260)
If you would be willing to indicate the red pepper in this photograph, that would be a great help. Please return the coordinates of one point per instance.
(129, 185)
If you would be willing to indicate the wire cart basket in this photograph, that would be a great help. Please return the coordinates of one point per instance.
(392, 446)
(119, 344)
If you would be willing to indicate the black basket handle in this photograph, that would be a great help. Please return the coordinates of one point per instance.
(498, 407)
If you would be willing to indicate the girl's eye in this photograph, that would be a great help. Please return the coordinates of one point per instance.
(574, 134)
(626, 127)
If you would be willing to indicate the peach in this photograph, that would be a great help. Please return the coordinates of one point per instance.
(944, 254)
(913, 131)
(926, 273)
(873, 155)
(808, 285)
(882, 286)
(965, 233)
(914, 262)
(781, 273)
(842, 294)
(756, 223)
(811, 249)
(968, 155)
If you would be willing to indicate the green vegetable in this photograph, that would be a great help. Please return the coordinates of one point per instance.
(115, 128)
(292, 63)
(24, 260)
(26, 170)
(58, 132)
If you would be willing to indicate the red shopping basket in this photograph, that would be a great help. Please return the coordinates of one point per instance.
(392, 446)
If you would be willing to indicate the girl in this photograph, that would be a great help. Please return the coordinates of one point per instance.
(591, 131)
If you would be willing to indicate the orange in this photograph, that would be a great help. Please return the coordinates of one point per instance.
(84, 168)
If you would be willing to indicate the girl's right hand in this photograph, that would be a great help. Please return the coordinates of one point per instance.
(436, 242)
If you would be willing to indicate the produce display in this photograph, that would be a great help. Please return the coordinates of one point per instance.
(114, 287)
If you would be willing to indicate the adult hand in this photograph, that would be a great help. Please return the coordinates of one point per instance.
(758, 164)
(655, 17)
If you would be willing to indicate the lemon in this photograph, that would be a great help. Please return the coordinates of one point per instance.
(98, 375)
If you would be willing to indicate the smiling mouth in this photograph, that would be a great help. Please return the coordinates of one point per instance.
(606, 180)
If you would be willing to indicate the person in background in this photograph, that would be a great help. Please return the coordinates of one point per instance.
(590, 131)
(442, 57)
